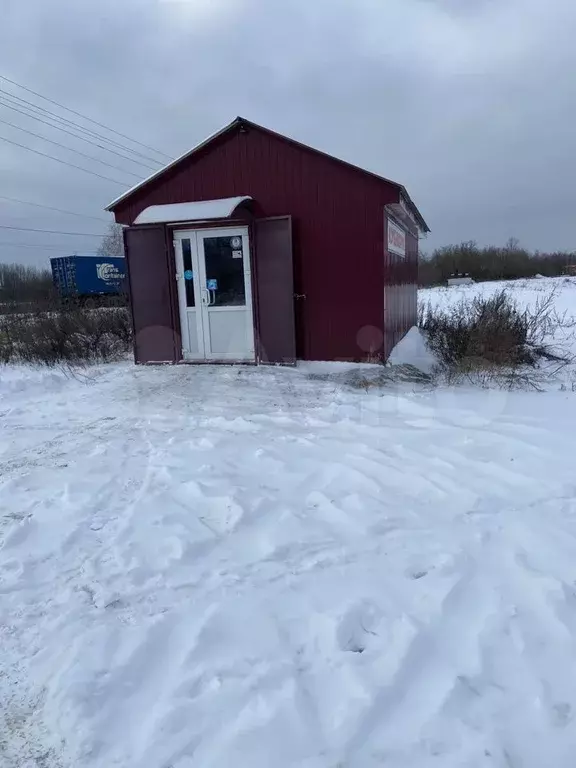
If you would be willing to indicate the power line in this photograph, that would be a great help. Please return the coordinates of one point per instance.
(34, 108)
(71, 133)
(42, 247)
(51, 208)
(31, 106)
(64, 162)
(84, 117)
(70, 149)
(53, 231)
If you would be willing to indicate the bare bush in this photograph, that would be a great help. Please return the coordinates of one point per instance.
(25, 288)
(493, 338)
(73, 336)
(112, 244)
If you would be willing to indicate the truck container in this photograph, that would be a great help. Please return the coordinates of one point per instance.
(85, 277)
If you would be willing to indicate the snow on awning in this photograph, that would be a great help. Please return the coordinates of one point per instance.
(204, 210)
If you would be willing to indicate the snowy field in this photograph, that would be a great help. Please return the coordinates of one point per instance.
(530, 293)
(207, 567)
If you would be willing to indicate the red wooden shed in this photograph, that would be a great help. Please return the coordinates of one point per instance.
(254, 247)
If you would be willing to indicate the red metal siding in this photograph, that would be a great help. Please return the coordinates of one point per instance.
(410, 312)
(338, 234)
(400, 291)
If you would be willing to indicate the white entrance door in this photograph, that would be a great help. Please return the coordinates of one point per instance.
(215, 294)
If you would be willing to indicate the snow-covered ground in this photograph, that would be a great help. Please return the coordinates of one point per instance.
(527, 292)
(207, 567)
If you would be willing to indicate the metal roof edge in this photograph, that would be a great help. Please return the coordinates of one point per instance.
(243, 121)
(339, 160)
(415, 210)
(172, 163)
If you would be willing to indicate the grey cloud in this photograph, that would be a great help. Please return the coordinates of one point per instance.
(470, 105)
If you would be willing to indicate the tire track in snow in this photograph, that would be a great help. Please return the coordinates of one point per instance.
(440, 652)
(534, 662)
(309, 526)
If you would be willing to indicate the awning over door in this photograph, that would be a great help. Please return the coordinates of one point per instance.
(204, 210)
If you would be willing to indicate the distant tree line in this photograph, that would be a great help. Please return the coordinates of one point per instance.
(19, 283)
(490, 263)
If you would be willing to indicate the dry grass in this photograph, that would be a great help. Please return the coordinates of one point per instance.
(73, 336)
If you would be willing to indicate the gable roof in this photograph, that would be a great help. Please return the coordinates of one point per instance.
(239, 122)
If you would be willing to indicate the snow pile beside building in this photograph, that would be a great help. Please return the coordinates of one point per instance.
(413, 350)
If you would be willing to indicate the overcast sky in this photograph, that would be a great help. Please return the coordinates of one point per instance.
(471, 104)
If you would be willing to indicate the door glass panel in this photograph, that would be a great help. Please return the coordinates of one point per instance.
(225, 271)
(188, 272)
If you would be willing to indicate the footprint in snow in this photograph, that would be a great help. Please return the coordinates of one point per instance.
(561, 714)
(416, 574)
(357, 627)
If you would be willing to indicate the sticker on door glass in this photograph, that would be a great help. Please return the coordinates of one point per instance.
(236, 243)
(188, 275)
(212, 284)
(236, 254)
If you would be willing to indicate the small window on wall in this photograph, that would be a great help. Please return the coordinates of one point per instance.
(396, 242)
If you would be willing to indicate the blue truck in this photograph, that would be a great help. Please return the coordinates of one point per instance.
(91, 280)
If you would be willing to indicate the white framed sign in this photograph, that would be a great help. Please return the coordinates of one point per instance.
(396, 239)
